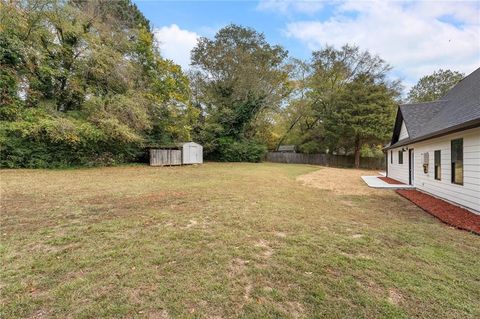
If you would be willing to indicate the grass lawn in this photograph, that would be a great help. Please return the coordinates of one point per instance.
(226, 240)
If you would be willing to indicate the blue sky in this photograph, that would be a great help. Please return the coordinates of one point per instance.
(415, 37)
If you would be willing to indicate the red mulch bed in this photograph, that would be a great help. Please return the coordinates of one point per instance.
(446, 212)
(390, 180)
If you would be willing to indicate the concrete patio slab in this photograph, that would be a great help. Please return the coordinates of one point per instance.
(376, 182)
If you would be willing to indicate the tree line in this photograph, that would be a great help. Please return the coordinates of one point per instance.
(83, 83)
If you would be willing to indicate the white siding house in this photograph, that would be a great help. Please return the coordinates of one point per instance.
(436, 146)
(403, 132)
(396, 169)
(468, 194)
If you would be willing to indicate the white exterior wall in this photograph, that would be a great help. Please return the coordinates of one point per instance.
(192, 153)
(403, 132)
(468, 194)
(398, 171)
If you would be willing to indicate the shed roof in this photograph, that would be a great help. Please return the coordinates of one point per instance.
(286, 148)
(171, 146)
(183, 143)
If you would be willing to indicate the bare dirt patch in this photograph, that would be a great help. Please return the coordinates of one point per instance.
(267, 251)
(191, 223)
(293, 309)
(237, 273)
(394, 296)
(280, 234)
(372, 287)
(158, 314)
(237, 267)
(39, 314)
(248, 291)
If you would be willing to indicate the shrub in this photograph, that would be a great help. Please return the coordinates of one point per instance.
(43, 141)
(310, 147)
(230, 150)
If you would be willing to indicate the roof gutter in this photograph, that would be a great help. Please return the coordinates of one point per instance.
(453, 129)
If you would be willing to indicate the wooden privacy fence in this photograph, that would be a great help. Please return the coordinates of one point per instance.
(325, 160)
(165, 157)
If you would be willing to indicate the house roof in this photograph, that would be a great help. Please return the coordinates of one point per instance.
(286, 148)
(457, 110)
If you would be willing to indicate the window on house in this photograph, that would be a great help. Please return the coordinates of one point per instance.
(457, 161)
(438, 165)
(400, 157)
(391, 157)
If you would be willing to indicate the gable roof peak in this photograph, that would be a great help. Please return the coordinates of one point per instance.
(458, 109)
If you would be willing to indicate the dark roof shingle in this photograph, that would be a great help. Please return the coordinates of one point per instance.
(459, 107)
(417, 116)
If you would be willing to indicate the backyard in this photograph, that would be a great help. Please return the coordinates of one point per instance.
(226, 240)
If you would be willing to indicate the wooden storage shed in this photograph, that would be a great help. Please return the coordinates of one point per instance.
(192, 153)
(165, 157)
(178, 154)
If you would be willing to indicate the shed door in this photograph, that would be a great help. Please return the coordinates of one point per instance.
(196, 154)
(192, 154)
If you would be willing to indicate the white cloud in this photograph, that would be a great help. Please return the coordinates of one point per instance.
(175, 43)
(415, 38)
(288, 6)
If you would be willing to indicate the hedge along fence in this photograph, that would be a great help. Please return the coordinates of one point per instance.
(325, 160)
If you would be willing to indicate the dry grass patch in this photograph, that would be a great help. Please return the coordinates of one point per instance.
(339, 180)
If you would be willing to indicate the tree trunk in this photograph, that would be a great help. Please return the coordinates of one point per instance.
(288, 131)
(358, 146)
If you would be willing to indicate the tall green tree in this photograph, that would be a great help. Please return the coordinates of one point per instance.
(362, 114)
(296, 121)
(83, 83)
(434, 86)
(238, 76)
(333, 72)
(334, 68)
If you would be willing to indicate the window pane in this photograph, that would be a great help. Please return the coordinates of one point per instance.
(457, 161)
(457, 150)
(438, 165)
(458, 172)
